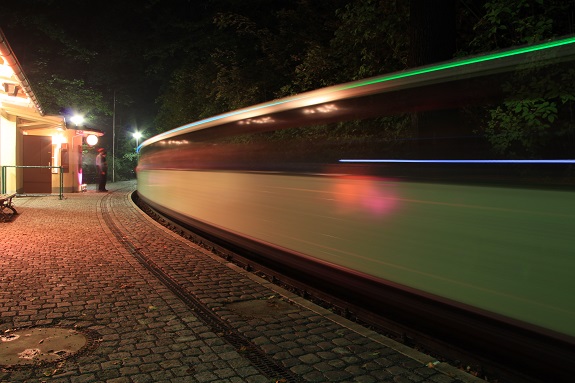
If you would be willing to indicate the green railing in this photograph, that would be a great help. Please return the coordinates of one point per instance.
(61, 193)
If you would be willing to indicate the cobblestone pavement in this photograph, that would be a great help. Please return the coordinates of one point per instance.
(94, 263)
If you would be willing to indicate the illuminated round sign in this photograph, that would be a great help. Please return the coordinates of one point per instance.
(92, 140)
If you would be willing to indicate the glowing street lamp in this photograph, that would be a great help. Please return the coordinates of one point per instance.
(77, 119)
(137, 135)
(92, 139)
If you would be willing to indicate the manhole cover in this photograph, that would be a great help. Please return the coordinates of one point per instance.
(261, 307)
(39, 345)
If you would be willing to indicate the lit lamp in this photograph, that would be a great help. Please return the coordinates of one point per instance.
(137, 135)
(92, 139)
(77, 119)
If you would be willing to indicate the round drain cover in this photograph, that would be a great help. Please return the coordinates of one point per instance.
(38, 345)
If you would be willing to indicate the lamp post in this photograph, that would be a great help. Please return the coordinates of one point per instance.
(114, 140)
(77, 120)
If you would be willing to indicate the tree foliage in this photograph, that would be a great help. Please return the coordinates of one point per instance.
(170, 63)
(539, 107)
(507, 23)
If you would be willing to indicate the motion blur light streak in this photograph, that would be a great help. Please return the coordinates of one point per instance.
(337, 92)
(204, 123)
(464, 62)
(400, 161)
(345, 175)
(327, 108)
(261, 120)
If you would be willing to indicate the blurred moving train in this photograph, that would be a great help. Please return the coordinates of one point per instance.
(452, 182)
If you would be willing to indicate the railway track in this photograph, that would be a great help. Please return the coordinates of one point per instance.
(259, 359)
(431, 326)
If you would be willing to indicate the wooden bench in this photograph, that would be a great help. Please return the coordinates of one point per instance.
(5, 205)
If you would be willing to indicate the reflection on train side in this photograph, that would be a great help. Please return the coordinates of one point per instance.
(364, 194)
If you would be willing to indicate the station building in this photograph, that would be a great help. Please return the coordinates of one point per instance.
(39, 153)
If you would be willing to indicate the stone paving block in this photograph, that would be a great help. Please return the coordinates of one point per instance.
(89, 279)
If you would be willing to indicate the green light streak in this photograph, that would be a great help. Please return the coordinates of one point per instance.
(464, 62)
(360, 83)
(215, 118)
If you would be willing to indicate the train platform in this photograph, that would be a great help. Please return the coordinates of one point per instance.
(93, 290)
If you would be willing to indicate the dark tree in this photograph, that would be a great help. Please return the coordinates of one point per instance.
(432, 31)
(433, 39)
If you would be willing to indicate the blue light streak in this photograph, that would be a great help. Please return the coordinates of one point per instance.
(402, 161)
(215, 118)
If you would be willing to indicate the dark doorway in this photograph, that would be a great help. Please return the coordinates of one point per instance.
(37, 152)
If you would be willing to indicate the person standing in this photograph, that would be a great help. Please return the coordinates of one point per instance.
(102, 168)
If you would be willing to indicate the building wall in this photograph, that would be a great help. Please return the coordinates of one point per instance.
(70, 146)
(64, 141)
(12, 149)
(8, 150)
(19, 160)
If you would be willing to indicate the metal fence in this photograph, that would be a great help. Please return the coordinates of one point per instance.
(61, 172)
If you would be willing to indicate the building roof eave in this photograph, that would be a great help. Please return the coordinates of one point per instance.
(10, 58)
